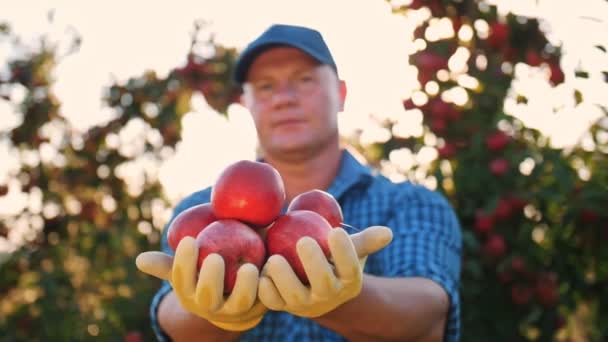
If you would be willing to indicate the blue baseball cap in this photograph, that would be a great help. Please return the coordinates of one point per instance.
(306, 39)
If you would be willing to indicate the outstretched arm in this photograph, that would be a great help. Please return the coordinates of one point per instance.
(392, 309)
(181, 325)
(196, 307)
(413, 295)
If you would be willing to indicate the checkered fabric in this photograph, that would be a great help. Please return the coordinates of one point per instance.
(427, 243)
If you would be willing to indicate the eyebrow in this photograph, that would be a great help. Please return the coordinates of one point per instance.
(263, 76)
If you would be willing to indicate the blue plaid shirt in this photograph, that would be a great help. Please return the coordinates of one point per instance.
(426, 243)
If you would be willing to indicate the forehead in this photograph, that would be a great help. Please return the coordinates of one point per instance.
(280, 57)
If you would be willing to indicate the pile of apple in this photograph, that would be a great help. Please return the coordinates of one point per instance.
(243, 222)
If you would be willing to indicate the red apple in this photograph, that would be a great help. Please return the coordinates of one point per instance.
(439, 108)
(236, 242)
(547, 289)
(508, 53)
(322, 203)
(133, 336)
(430, 61)
(288, 229)
(499, 166)
(521, 294)
(438, 126)
(425, 75)
(533, 58)
(557, 75)
(447, 151)
(416, 4)
(516, 203)
(419, 30)
(248, 191)
(409, 104)
(189, 222)
(483, 222)
(497, 141)
(518, 264)
(454, 114)
(499, 35)
(495, 246)
(588, 216)
(503, 209)
(456, 24)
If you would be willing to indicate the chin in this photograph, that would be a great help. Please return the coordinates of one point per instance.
(292, 144)
(292, 148)
(292, 152)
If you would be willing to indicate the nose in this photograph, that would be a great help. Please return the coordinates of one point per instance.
(285, 94)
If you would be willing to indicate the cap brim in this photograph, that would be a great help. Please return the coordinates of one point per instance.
(247, 57)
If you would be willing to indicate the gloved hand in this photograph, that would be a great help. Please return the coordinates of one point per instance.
(204, 297)
(330, 285)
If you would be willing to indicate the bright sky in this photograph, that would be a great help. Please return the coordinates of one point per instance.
(123, 38)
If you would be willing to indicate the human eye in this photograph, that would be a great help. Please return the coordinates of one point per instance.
(262, 86)
(306, 77)
(263, 89)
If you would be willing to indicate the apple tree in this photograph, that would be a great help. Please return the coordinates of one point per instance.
(86, 203)
(533, 215)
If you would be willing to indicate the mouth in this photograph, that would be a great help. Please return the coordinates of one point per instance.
(288, 122)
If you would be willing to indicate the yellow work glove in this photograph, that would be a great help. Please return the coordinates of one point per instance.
(204, 296)
(330, 285)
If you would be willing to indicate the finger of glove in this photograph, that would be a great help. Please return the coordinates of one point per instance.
(183, 277)
(269, 295)
(240, 326)
(245, 290)
(371, 240)
(345, 257)
(155, 263)
(257, 310)
(210, 285)
(292, 290)
(323, 281)
(362, 262)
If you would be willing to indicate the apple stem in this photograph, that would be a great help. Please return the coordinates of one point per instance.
(349, 226)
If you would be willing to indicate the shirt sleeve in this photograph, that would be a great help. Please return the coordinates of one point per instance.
(427, 243)
(194, 199)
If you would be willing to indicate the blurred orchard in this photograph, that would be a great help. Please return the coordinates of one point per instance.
(534, 215)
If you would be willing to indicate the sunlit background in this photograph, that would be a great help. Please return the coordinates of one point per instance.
(370, 44)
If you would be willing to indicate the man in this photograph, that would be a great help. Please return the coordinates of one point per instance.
(409, 290)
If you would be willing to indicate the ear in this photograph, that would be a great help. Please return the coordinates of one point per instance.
(343, 91)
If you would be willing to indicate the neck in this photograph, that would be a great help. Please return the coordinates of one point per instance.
(304, 174)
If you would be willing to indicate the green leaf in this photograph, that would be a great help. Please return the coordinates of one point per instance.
(578, 96)
(473, 268)
(521, 99)
(469, 240)
(534, 315)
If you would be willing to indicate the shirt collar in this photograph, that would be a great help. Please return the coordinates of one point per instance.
(350, 173)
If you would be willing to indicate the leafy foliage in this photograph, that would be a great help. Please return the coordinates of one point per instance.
(533, 218)
(96, 199)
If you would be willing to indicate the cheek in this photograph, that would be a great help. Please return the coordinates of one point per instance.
(259, 119)
(324, 108)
